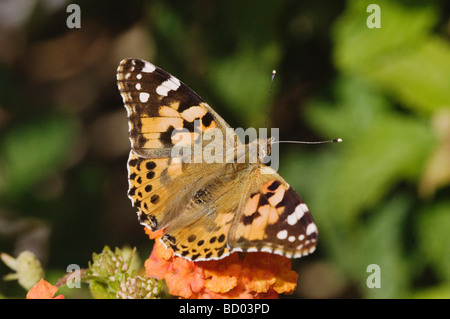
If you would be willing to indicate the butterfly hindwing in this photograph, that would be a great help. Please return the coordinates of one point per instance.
(273, 218)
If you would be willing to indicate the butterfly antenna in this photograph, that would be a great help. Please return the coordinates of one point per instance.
(336, 140)
(268, 98)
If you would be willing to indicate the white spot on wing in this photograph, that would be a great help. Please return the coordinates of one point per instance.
(292, 219)
(144, 96)
(297, 214)
(148, 67)
(312, 228)
(171, 84)
(282, 234)
(301, 210)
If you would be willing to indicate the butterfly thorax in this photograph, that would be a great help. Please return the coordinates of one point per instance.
(253, 153)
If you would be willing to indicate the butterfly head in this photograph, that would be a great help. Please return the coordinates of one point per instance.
(260, 149)
(265, 148)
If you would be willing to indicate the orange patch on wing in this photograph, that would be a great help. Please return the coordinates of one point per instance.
(167, 111)
(152, 143)
(277, 197)
(193, 113)
(175, 105)
(159, 124)
(257, 230)
(184, 138)
(252, 205)
(152, 136)
(273, 215)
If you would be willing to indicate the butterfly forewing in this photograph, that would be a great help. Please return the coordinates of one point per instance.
(158, 106)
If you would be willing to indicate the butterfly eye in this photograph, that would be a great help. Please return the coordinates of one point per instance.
(269, 148)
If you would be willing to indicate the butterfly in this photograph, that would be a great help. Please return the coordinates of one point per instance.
(207, 210)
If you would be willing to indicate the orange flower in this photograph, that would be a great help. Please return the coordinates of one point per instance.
(245, 276)
(43, 290)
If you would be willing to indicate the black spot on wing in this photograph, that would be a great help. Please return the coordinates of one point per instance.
(274, 185)
(207, 119)
(166, 137)
(188, 126)
(150, 165)
(220, 252)
(247, 220)
(154, 199)
(263, 200)
(132, 191)
(133, 162)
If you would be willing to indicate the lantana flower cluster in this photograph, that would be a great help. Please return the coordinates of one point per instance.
(112, 275)
(250, 276)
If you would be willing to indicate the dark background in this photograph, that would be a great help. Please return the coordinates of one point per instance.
(381, 197)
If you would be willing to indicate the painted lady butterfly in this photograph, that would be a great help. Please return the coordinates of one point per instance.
(208, 210)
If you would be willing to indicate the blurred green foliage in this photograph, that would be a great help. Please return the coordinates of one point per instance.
(380, 197)
(46, 141)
